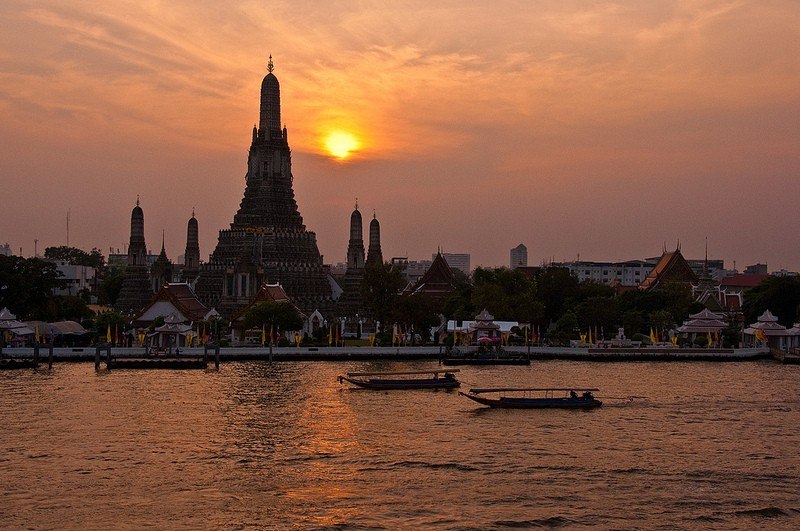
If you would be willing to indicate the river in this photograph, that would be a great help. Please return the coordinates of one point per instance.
(286, 446)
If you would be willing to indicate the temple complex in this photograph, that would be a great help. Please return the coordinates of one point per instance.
(437, 282)
(136, 291)
(267, 241)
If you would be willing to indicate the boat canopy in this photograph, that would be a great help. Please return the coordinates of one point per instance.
(506, 389)
(351, 374)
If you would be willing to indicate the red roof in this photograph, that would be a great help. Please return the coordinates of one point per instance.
(742, 280)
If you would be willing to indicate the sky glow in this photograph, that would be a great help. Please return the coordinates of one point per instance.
(595, 128)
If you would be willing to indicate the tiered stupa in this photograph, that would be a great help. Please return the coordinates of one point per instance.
(349, 303)
(191, 260)
(267, 241)
(135, 293)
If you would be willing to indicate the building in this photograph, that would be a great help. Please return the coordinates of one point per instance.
(756, 269)
(628, 273)
(5, 250)
(191, 257)
(671, 268)
(349, 304)
(267, 241)
(77, 277)
(459, 261)
(437, 282)
(519, 257)
(136, 290)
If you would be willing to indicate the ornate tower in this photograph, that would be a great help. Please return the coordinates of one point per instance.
(161, 271)
(374, 254)
(191, 264)
(135, 292)
(355, 248)
(267, 241)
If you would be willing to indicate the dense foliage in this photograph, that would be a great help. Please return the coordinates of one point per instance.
(281, 315)
(26, 286)
(780, 295)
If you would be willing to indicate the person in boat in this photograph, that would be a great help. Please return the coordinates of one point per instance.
(449, 376)
(587, 395)
(573, 394)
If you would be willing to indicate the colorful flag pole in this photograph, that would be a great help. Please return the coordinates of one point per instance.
(108, 333)
(263, 334)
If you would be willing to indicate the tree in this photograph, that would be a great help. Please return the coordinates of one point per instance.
(780, 295)
(283, 315)
(111, 285)
(75, 256)
(380, 290)
(27, 284)
(419, 311)
(554, 286)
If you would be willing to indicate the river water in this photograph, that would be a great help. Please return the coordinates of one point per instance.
(286, 446)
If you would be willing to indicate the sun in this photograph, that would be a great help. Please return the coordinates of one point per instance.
(341, 144)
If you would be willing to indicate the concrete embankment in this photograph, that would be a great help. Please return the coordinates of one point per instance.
(413, 353)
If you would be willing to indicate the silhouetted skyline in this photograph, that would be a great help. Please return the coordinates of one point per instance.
(603, 130)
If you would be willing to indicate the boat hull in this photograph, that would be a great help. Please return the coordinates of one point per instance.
(11, 364)
(428, 383)
(536, 403)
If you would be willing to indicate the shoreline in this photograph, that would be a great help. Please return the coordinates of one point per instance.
(87, 354)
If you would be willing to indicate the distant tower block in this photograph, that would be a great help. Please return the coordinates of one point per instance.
(374, 254)
(191, 267)
(135, 292)
(519, 256)
(267, 241)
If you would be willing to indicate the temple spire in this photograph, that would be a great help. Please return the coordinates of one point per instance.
(270, 66)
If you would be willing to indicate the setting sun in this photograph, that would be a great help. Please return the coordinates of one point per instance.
(341, 144)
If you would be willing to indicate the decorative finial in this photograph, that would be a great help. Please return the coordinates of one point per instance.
(270, 66)
(137, 199)
(162, 240)
(192, 211)
(373, 213)
(356, 203)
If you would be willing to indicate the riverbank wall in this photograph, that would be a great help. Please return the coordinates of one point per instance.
(411, 353)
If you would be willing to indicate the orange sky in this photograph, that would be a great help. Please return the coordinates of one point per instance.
(599, 128)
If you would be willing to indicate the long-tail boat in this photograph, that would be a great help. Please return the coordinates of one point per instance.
(400, 380)
(536, 397)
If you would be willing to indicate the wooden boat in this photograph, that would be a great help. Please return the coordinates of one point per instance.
(536, 398)
(395, 380)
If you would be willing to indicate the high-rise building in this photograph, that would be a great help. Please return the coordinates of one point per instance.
(267, 241)
(519, 256)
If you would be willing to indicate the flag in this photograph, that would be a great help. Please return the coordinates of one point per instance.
(141, 339)
(674, 340)
(590, 336)
(205, 337)
(653, 336)
(372, 340)
(596, 337)
(337, 336)
(271, 335)
(108, 334)
(44, 334)
(330, 335)
(298, 338)
(116, 334)
(583, 339)
(455, 336)
(709, 337)
(263, 334)
(716, 336)
(36, 331)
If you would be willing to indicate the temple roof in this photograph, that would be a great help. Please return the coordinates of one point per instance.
(671, 267)
(438, 280)
(182, 297)
(743, 280)
(267, 293)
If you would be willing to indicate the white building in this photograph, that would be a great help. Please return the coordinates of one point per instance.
(78, 277)
(5, 250)
(629, 273)
(456, 261)
(519, 256)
